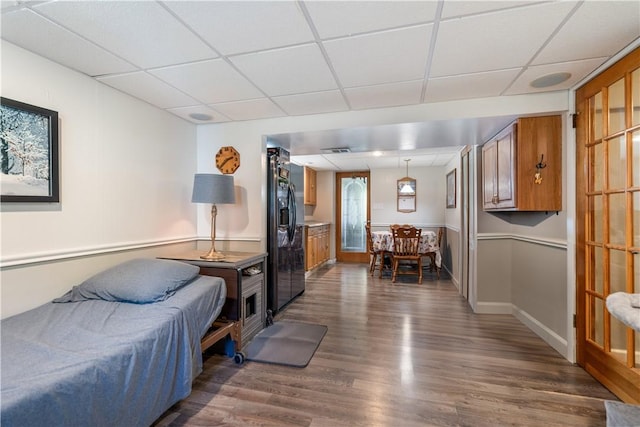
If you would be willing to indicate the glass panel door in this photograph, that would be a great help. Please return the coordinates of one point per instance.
(352, 194)
(608, 224)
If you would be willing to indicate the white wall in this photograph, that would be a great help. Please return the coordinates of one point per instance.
(451, 257)
(325, 208)
(126, 172)
(453, 216)
(430, 197)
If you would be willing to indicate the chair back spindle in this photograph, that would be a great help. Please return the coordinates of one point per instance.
(406, 248)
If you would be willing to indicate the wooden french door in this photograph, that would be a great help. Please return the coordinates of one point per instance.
(608, 223)
(352, 207)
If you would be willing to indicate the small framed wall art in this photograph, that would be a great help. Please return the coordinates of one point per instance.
(406, 195)
(451, 189)
(28, 153)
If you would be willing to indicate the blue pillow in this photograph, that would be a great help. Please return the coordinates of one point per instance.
(140, 281)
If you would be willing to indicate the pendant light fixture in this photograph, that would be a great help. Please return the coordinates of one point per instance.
(406, 188)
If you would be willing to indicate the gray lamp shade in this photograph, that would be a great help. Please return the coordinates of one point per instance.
(214, 189)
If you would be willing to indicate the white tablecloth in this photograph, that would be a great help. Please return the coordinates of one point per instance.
(383, 241)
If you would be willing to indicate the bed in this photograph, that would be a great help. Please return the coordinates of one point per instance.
(119, 349)
(626, 308)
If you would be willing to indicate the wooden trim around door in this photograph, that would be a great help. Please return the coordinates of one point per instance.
(620, 376)
(360, 257)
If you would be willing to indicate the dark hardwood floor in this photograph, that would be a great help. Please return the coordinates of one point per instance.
(397, 355)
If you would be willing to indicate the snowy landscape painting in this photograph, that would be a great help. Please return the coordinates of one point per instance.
(28, 153)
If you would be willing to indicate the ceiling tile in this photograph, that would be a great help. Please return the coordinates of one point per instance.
(224, 24)
(345, 18)
(312, 103)
(585, 37)
(252, 109)
(186, 112)
(579, 70)
(477, 85)
(209, 81)
(287, 71)
(142, 32)
(462, 8)
(510, 37)
(37, 34)
(342, 162)
(149, 89)
(317, 162)
(7, 4)
(389, 95)
(384, 57)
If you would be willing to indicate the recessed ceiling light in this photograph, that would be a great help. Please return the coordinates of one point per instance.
(550, 80)
(200, 116)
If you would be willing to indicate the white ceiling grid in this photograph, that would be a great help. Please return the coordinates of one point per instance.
(244, 60)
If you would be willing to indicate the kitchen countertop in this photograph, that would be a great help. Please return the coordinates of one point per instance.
(315, 223)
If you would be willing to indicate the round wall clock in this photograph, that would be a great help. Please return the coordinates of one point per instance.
(227, 160)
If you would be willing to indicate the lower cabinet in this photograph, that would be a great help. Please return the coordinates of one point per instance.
(317, 249)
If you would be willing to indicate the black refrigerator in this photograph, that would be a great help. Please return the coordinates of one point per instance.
(285, 229)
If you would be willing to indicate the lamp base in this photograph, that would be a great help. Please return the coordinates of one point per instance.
(212, 255)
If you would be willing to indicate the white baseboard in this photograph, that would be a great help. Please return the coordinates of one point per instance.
(550, 337)
(454, 280)
(558, 343)
(494, 308)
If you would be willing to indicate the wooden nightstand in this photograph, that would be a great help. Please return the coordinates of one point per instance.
(244, 274)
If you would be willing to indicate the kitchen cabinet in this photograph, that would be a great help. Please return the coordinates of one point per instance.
(310, 190)
(317, 245)
(522, 166)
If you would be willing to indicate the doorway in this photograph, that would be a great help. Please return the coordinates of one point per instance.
(353, 207)
(608, 223)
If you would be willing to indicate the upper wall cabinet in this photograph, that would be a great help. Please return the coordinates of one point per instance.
(522, 166)
(310, 191)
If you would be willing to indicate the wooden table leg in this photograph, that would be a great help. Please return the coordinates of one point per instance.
(382, 254)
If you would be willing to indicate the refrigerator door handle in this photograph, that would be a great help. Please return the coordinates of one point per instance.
(292, 209)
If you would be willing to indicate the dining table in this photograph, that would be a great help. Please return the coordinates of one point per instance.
(382, 241)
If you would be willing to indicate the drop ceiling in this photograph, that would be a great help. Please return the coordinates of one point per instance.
(242, 60)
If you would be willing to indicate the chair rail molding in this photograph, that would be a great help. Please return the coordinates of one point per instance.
(544, 241)
(34, 258)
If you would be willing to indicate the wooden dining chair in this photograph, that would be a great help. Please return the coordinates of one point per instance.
(374, 254)
(432, 255)
(392, 226)
(406, 245)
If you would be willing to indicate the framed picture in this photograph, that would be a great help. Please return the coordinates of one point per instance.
(406, 188)
(451, 189)
(406, 203)
(28, 153)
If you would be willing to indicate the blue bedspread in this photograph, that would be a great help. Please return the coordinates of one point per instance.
(99, 363)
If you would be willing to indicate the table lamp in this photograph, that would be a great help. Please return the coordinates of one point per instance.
(214, 189)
